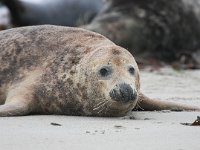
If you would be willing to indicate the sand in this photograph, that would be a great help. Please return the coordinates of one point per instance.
(160, 130)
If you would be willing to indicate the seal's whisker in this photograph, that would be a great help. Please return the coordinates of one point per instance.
(100, 102)
(100, 110)
(138, 105)
(102, 107)
(99, 105)
(108, 107)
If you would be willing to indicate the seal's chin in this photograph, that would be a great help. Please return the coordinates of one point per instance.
(115, 109)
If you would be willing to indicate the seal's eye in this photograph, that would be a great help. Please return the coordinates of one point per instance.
(105, 71)
(131, 70)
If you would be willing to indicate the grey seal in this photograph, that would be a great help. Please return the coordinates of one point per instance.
(69, 71)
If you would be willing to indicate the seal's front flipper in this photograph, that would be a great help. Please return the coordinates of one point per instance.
(14, 109)
(147, 104)
(18, 102)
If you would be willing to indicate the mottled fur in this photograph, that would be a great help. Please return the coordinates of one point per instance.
(45, 67)
(54, 70)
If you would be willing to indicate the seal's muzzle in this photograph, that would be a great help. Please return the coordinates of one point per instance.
(123, 93)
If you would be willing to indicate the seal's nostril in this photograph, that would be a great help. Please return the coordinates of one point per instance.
(123, 92)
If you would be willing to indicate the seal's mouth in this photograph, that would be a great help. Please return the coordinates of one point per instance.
(123, 93)
(113, 109)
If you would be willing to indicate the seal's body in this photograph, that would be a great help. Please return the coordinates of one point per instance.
(69, 71)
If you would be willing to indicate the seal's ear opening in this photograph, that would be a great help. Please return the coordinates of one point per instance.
(123, 93)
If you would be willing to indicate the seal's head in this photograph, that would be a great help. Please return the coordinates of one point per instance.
(112, 80)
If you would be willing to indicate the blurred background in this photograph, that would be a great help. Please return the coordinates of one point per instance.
(156, 32)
